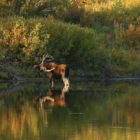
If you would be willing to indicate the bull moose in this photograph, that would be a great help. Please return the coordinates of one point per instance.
(54, 71)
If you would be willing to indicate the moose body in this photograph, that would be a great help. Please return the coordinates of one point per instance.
(54, 71)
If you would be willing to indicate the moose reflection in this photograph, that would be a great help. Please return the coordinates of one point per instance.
(54, 97)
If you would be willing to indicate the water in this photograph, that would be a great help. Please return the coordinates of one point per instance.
(88, 111)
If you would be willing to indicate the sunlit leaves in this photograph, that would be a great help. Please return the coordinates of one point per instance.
(23, 36)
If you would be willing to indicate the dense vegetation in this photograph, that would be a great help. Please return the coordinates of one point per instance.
(101, 37)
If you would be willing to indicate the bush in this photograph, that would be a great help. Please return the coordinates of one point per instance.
(24, 41)
(20, 39)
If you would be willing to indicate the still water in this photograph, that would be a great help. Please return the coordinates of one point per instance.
(88, 111)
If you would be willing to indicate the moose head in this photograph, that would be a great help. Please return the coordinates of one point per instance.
(44, 62)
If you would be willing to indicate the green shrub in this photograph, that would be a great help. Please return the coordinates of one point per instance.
(24, 41)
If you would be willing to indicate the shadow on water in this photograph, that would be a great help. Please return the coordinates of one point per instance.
(93, 111)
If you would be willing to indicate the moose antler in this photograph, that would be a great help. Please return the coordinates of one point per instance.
(43, 58)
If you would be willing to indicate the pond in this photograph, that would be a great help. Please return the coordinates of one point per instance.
(87, 111)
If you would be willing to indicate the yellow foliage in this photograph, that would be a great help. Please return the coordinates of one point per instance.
(89, 5)
(131, 3)
(28, 35)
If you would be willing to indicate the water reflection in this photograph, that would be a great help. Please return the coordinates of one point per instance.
(50, 99)
(54, 97)
(109, 112)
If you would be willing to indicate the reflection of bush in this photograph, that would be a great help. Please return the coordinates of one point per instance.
(106, 105)
(110, 104)
(15, 125)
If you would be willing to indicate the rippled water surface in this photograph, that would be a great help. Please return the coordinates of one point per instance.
(88, 111)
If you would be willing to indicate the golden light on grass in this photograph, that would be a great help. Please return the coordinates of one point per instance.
(108, 5)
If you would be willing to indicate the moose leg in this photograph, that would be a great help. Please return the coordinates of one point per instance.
(51, 83)
(65, 81)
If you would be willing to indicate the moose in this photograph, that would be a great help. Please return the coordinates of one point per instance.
(54, 71)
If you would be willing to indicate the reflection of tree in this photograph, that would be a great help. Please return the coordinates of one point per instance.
(95, 132)
(15, 125)
(19, 121)
(110, 112)
(126, 109)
